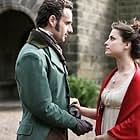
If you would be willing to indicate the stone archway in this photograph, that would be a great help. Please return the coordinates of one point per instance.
(14, 30)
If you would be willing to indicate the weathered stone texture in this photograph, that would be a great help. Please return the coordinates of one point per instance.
(94, 20)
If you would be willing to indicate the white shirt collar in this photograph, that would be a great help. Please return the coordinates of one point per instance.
(48, 32)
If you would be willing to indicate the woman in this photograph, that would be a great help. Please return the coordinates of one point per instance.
(118, 107)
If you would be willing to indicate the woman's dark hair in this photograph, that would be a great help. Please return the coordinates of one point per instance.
(130, 32)
(51, 7)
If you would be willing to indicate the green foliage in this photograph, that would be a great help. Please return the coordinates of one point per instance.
(85, 90)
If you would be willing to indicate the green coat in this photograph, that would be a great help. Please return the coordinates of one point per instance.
(41, 83)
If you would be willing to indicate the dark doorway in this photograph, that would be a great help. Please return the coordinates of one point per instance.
(14, 30)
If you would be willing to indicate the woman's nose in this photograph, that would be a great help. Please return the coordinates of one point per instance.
(106, 43)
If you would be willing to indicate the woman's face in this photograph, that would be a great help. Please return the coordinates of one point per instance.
(114, 46)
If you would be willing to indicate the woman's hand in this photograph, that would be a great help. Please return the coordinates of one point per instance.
(74, 101)
(85, 111)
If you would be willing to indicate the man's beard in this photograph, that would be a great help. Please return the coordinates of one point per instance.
(57, 26)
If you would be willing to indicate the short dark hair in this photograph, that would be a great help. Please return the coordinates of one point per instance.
(130, 32)
(51, 7)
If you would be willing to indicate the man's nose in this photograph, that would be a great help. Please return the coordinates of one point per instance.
(70, 29)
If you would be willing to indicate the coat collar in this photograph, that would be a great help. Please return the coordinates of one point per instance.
(42, 40)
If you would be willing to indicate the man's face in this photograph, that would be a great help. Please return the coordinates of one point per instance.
(63, 26)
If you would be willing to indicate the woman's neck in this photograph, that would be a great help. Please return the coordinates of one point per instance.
(124, 66)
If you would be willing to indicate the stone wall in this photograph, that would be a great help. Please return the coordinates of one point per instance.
(128, 9)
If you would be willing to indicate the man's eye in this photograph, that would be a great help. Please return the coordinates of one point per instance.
(68, 23)
(112, 38)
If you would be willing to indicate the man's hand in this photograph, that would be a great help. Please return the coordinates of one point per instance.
(82, 127)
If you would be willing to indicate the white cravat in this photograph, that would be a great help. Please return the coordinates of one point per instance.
(47, 32)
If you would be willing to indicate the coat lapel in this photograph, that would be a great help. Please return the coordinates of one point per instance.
(55, 60)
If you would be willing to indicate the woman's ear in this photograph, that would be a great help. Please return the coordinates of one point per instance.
(128, 45)
(52, 21)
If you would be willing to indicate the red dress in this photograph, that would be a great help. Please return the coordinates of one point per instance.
(127, 126)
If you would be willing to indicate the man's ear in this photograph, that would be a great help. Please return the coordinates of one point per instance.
(52, 21)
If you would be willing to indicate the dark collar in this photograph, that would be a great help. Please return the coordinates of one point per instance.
(42, 40)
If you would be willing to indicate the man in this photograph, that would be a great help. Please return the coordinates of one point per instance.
(41, 77)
